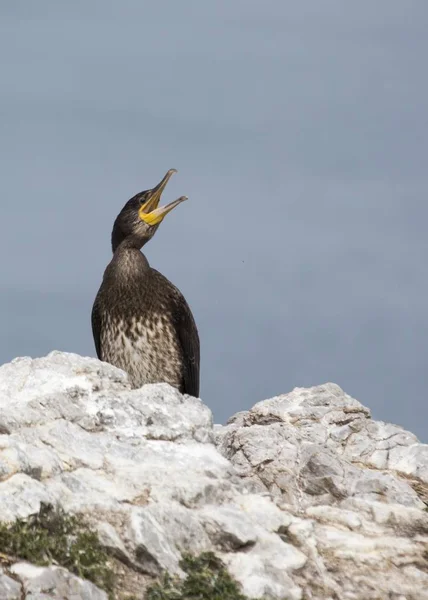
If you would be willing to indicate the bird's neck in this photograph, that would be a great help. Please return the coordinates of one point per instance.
(131, 242)
(128, 266)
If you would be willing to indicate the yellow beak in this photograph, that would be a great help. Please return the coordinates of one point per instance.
(156, 216)
(149, 211)
(156, 193)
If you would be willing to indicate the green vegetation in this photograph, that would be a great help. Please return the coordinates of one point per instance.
(207, 579)
(53, 537)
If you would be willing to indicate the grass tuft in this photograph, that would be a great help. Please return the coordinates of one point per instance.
(51, 537)
(207, 579)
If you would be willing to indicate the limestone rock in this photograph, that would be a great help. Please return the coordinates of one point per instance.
(140, 465)
(41, 583)
(10, 589)
(303, 496)
(356, 488)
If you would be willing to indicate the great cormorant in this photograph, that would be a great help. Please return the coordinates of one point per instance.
(141, 322)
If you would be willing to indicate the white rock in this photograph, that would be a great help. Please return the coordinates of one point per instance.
(362, 527)
(301, 498)
(268, 575)
(140, 465)
(159, 531)
(10, 589)
(21, 495)
(41, 583)
(228, 527)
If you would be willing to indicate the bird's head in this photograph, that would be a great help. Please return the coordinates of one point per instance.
(140, 217)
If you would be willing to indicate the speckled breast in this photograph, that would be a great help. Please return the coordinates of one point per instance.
(147, 349)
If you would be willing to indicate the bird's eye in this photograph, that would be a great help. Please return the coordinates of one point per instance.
(144, 199)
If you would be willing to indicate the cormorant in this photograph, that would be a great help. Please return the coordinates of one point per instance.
(141, 322)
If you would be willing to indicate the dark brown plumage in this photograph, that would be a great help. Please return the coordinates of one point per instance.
(141, 322)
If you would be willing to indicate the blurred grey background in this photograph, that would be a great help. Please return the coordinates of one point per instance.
(300, 134)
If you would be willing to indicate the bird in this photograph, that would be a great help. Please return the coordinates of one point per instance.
(141, 322)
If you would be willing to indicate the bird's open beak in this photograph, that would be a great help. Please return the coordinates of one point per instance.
(149, 211)
(156, 193)
(156, 216)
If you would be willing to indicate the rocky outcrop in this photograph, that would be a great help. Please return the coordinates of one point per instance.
(355, 490)
(303, 497)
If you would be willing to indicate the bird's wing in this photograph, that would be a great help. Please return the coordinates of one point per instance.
(188, 336)
(96, 327)
(189, 340)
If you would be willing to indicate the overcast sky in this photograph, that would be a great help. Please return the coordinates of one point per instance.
(300, 133)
